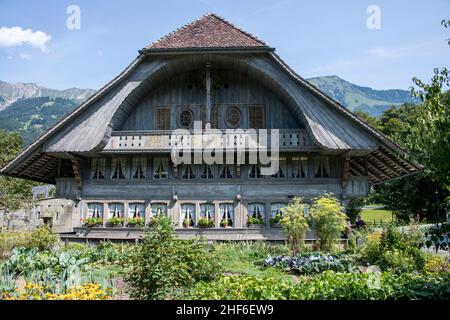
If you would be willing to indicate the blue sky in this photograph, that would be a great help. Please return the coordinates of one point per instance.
(314, 37)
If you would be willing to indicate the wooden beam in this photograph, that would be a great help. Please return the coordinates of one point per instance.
(345, 171)
(393, 161)
(382, 164)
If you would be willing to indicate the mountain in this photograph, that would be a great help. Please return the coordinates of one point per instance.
(355, 97)
(12, 92)
(31, 117)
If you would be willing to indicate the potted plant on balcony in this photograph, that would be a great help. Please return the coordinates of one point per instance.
(275, 222)
(115, 222)
(187, 223)
(255, 222)
(205, 223)
(224, 223)
(92, 222)
(135, 222)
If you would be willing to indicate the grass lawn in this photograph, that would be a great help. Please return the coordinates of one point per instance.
(369, 215)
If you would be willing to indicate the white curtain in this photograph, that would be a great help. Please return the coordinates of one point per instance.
(226, 211)
(159, 209)
(160, 168)
(118, 168)
(256, 210)
(139, 168)
(187, 212)
(136, 210)
(115, 210)
(277, 207)
(207, 211)
(95, 210)
(98, 168)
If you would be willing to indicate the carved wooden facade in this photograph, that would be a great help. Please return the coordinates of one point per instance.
(112, 154)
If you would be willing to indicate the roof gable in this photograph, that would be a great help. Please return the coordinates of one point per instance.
(210, 31)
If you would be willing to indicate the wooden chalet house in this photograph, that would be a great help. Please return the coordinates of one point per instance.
(112, 155)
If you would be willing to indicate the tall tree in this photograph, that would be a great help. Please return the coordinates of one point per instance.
(14, 193)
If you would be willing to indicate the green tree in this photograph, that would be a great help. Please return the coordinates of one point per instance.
(328, 220)
(14, 193)
(295, 223)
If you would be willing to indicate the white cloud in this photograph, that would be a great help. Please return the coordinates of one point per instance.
(24, 56)
(16, 36)
(400, 52)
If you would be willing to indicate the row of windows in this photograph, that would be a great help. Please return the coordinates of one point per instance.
(297, 168)
(188, 212)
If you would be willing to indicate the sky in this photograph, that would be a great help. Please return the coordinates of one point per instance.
(381, 47)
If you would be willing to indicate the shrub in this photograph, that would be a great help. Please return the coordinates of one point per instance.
(396, 250)
(295, 224)
(434, 263)
(10, 240)
(328, 220)
(42, 238)
(164, 264)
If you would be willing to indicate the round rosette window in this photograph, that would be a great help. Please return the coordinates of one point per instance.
(185, 118)
(233, 117)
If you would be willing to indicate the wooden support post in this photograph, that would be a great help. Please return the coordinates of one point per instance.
(208, 96)
(76, 173)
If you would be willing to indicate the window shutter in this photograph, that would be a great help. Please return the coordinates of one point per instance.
(256, 117)
(162, 119)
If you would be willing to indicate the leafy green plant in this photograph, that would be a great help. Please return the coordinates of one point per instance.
(255, 221)
(310, 263)
(277, 219)
(135, 222)
(224, 223)
(164, 264)
(115, 221)
(205, 223)
(326, 286)
(93, 222)
(295, 224)
(328, 220)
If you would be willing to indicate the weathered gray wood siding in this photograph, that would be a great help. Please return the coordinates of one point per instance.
(232, 89)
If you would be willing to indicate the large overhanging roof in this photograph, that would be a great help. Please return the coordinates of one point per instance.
(330, 125)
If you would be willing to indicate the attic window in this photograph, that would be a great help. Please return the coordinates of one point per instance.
(256, 117)
(233, 117)
(162, 119)
(185, 118)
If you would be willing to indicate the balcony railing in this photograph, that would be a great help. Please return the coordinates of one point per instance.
(230, 140)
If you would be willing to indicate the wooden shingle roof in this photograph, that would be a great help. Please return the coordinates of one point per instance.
(209, 31)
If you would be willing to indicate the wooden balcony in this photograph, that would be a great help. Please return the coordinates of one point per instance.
(229, 140)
